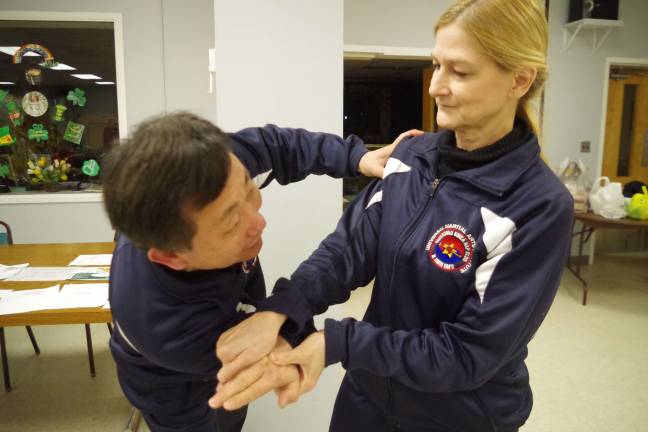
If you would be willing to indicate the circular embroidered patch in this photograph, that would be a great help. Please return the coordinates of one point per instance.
(248, 265)
(451, 248)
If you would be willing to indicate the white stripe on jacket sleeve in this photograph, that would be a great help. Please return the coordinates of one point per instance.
(498, 239)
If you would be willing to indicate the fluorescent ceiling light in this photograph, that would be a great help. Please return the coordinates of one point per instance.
(7, 83)
(105, 83)
(11, 50)
(86, 76)
(59, 66)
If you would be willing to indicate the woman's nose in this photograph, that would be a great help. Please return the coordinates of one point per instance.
(438, 86)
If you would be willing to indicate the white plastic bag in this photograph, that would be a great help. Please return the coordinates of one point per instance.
(573, 174)
(606, 199)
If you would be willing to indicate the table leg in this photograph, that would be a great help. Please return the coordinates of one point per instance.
(580, 263)
(5, 362)
(33, 340)
(90, 353)
(581, 241)
(133, 421)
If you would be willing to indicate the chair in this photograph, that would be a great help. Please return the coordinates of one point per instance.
(7, 238)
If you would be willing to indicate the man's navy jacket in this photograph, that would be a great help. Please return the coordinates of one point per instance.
(167, 321)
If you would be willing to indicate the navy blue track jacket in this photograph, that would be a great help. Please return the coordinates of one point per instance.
(167, 321)
(466, 268)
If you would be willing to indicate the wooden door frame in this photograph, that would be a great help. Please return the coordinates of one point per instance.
(609, 62)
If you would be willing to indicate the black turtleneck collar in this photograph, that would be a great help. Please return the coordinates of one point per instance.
(452, 158)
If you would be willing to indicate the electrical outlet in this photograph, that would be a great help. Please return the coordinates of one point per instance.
(585, 146)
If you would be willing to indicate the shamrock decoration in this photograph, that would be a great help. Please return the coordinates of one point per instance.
(38, 132)
(4, 171)
(90, 168)
(77, 97)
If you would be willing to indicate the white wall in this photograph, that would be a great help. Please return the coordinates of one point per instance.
(574, 93)
(285, 67)
(188, 31)
(391, 23)
(282, 63)
(165, 56)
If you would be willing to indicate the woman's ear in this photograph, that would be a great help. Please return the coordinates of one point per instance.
(522, 82)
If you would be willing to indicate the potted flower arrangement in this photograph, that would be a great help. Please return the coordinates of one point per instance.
(48, 173)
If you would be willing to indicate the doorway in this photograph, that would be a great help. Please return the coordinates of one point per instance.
(625, 145)
(623, 154)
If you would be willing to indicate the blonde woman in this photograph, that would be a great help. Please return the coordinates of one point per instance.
(466, 236)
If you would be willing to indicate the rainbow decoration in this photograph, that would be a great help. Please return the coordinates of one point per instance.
(38, 49)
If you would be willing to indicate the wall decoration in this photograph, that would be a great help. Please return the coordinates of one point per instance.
(38, 133)
(60, 112)
(35, 104)
(7, 169)
(15, 115)
(4, 171)
(5, 137)
(44, 171)
(34, 75)
(73, 132)
(36, 48)
(90, 168)
(45, 114)
(77, 97)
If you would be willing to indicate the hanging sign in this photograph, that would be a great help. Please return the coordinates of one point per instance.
(34, 75)
(35, 48)
(37, 133)
(60, 112)
(90, 168)
(77, 97)
(15, 115)
(5, 136)
(34, 104)
(73, 132)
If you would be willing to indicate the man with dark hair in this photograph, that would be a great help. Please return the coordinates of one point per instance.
(183, 195)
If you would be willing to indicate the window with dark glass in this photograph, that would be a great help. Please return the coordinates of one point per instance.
(382, 98)
(58, 103)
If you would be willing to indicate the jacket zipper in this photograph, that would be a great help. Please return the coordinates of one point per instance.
(403, 238)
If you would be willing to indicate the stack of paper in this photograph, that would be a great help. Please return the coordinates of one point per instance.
(8, 271)
(92, 260)
(20, 301)
(32, 274)
(81, 296)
